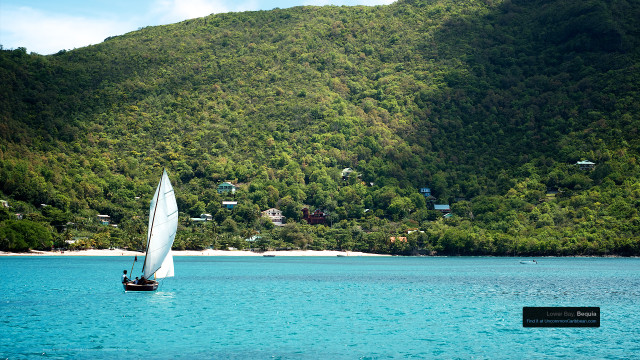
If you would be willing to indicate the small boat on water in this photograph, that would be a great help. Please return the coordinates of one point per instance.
(528, 262)
(163, 224)
(151, 285)
(269, 255)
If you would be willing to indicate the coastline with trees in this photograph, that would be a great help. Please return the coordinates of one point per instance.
(522, 117)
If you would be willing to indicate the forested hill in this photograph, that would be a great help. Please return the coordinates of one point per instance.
(490, 104)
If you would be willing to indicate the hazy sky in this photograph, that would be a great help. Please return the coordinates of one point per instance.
(48, 26)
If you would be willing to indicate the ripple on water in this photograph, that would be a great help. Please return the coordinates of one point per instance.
(303, 308)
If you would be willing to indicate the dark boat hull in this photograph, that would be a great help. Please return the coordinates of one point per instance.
(152, 286)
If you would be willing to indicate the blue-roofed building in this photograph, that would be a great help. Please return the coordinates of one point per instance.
(442, 208)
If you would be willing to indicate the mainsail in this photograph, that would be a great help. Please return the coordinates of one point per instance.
(163, 223)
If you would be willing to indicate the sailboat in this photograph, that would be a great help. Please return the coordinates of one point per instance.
(163, 224)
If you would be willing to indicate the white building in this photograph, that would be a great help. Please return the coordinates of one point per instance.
(104, 219)
(275, 215)
(585, 165)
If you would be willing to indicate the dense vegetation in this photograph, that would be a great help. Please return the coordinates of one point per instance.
(488, 103)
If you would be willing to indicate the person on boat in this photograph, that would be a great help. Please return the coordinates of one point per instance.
(125, 279)
(136, 281)
(142, 281)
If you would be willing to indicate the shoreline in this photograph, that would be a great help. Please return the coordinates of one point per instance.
(208, 252)
(301, 253)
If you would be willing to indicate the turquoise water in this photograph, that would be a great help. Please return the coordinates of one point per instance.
(316, 308)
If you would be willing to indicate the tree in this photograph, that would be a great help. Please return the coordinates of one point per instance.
(22, 235)
(229, 226)
(293, 234)
(291, 210)
(400, 207)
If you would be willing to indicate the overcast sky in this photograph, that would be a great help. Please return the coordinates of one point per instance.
(48, 26)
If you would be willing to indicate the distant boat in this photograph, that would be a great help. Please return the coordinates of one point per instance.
(528, 262)
(163, 224)
(268, 255)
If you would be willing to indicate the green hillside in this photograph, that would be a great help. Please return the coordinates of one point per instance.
(488, 103)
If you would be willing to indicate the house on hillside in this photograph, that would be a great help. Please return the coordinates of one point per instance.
(275, 215)
(253, 238)
(317, 218)
(443, 208)
(425, 191)
(226, 188)
(585, 165)
(104, 219)
(202, 219)
(398, 238)
(345, 173)
(429, 199)
(229, 204)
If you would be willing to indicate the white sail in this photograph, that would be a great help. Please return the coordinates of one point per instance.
(163, 223)
(166, 270)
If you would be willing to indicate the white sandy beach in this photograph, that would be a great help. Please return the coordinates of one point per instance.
(208, 252)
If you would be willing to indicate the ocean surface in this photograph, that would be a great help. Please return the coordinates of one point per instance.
(316, 308)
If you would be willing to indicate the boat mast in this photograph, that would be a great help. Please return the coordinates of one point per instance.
(153, 221)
